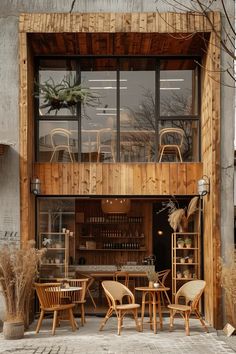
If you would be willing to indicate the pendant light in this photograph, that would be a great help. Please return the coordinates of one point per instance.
(115, 205)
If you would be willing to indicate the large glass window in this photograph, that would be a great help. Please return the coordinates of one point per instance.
(130, 102)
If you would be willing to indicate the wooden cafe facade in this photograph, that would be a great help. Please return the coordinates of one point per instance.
(147, 72)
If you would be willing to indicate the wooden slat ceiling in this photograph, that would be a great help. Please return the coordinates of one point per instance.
(117, 43)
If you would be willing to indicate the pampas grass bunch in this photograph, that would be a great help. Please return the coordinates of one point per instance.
(178, 218)
(18, 269)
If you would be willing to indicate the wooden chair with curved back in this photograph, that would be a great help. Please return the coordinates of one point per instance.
(191, 292)
(115, 293)
(78, 297)
(105, 143)
(49, 296)
(162, 276)
(60, 140)
(122, 277)
(89, 284)
(171, 142)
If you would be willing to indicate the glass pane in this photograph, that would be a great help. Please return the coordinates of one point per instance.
(54, 98)
(178, 92)
(137, 115)
(56, 232)
(179, 139)
(99, 120)
(58, 141)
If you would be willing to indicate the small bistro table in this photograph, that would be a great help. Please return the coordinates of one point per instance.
(154, 303)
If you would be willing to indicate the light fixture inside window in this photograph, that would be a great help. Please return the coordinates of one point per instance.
(116, 205)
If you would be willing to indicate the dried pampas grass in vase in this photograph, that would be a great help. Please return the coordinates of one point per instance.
(18, 269)
(179, 217)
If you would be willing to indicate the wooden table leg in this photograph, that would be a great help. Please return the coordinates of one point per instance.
(159, 308)
(143, 309)
(154, 312)
(150, 297)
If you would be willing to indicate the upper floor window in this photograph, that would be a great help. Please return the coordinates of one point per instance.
(101, 109)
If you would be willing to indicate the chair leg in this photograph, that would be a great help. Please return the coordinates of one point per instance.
(39, 322)
(161, 154)
(167, 296)
(82, 315)
(180, 156)
(72, 320)
(186, 318)
(197, 313)
(171, 319)
(52, 155)
(70, 154)
(54, 322)
(138, 327)
(119, 318)
(92, 299)
(108, 315)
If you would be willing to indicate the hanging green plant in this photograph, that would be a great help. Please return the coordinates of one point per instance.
(66, 94)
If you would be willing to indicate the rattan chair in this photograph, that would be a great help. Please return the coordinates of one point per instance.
(191, 292)
(49, 296)
(115, 293)
(171, 142)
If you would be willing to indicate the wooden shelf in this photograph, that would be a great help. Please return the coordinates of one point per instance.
(113, 249)
(185, 263)
(192, 270)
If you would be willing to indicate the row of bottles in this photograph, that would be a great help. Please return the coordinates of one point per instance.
(115, 219)
(119, 245)
(121, 234)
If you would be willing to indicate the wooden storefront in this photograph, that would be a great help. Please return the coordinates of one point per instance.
(48, 33)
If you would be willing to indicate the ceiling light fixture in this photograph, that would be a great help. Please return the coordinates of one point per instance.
(109, 80)
(115, 205)
(107, 88)
(170, 88)
(171, 80)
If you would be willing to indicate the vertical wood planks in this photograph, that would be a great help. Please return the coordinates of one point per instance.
(118, 178)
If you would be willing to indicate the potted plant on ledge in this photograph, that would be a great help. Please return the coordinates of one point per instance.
(18, 269)
(65, 94)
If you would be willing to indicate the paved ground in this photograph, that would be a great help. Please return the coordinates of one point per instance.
(89, 340)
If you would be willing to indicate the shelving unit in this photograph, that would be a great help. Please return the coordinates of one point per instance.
(111, 238)
(185, 258)
(56, 260)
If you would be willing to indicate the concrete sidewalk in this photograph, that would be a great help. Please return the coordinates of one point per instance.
(89, 339)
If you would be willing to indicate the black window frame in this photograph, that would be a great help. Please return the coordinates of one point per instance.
(158, 116)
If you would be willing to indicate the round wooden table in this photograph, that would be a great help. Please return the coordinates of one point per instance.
(154, 303)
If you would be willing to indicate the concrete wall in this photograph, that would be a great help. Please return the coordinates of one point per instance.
(9, 112)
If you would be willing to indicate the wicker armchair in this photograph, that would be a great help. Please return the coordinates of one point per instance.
(191, 292)
(115, 292)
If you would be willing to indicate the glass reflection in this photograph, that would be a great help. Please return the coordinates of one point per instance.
(175, 145)
(177, 93)
(99, 121)
(58, 141)
(137, 116)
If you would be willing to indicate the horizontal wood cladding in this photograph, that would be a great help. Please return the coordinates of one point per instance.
(118, 22)
(118, 179)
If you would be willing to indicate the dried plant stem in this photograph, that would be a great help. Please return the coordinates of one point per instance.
(18, 268)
